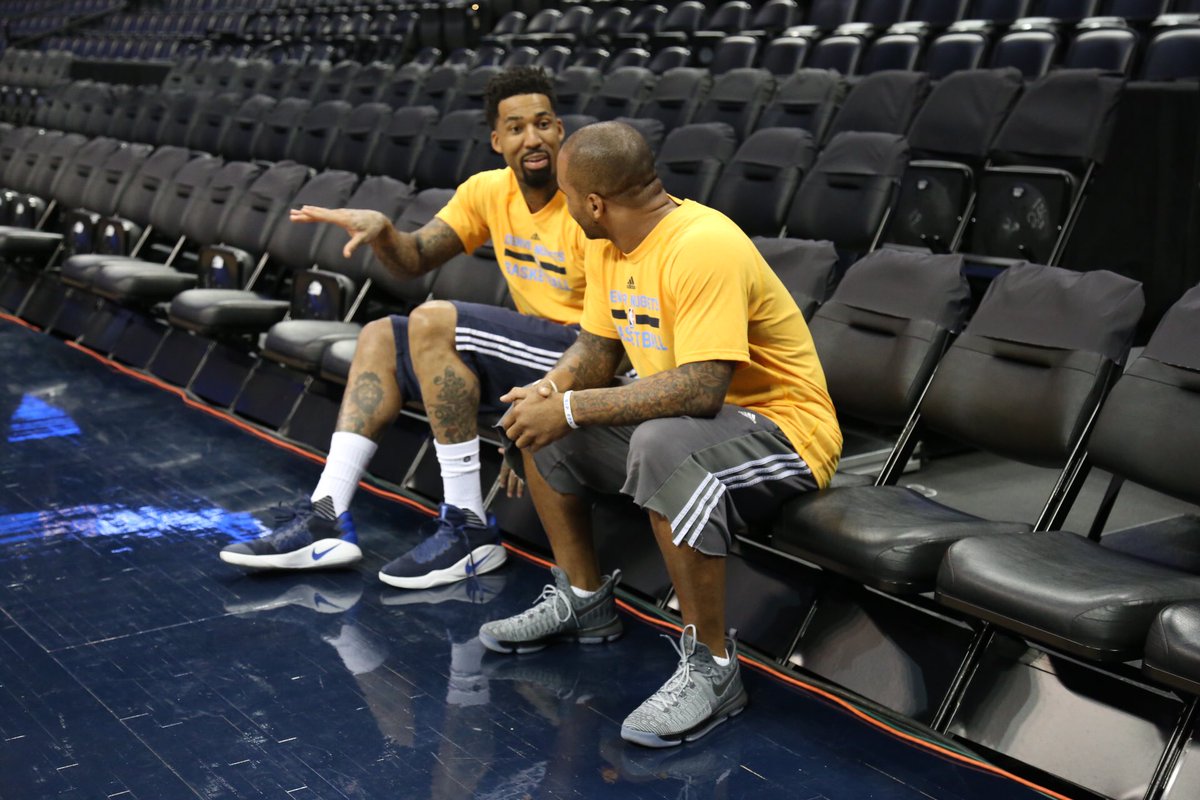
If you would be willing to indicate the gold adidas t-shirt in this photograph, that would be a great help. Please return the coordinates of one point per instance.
(697, 289)
(541, 255)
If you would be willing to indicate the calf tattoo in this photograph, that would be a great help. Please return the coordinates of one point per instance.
(358, 414)
(455, 406)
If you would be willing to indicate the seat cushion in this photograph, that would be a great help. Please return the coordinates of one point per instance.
(1173, 647)
(884, 536)
(16, 242)
(335, 362)
(80, 270)
(301, 343)
(1064, 590)
(140, 282)
(225, 311)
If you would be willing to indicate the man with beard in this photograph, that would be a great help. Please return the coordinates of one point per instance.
(457, 358)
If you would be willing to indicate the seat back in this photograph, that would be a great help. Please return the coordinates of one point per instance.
(839, 52)
(447, 150)
(337, 82)
(204, 217)
(402, 142)
(692, 158)
(295, 245)
(440, 87)
(954, 51)
(622, 94)
(179, 119)
(359, 133)
(757, 186)
(401, 90)
(885, 102)
(1107, 49)
(213, 118)
(470, 94)
(733, 52)
(471, 278)
(150, 119)
(1026, 375)
(173, 201)
(677, 96)
(784, 55)
(848, 194)
(1031, 51)
(262, 206)
(279, 128)
(573, 88)
(55, 163)
(153, 176)
(807, 268)
(73, 178)
(1139, 434)
(963, 114)
(738, 98)
(881, 334)
(1173, 54)
(107, 184)
(367, 84)
(319, 128)
(809, 99)
(245, 126)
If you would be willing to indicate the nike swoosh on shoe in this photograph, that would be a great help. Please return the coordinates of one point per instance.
(318, 556)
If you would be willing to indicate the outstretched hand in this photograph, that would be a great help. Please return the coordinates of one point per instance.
(363, 226)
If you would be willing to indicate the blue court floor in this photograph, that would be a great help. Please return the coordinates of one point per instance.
(135, 664)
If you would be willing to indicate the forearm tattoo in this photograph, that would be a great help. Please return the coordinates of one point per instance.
(360, 408)
(410, 255)
(591, 361)
(692, 390)
(454, 410)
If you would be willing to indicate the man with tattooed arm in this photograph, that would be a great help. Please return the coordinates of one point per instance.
(457, 358)
(729, 418)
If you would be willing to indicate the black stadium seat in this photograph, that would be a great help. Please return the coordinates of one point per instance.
(692, 157)
(756, 188)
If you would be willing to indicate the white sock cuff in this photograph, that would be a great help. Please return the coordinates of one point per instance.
(353, 449)
(458, 450)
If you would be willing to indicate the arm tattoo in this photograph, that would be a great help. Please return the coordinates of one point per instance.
(692, 390)
(410, 255)
(590, 362)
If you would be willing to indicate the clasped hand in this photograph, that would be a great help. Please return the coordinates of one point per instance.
(536, 416)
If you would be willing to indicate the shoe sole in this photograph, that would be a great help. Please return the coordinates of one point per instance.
(648, 739)
(591, 636)
(333, 553)
(486, 558)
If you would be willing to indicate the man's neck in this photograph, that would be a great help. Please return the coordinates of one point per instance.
(642, 221)
(537, 199)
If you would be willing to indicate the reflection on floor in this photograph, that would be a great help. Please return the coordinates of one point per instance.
(134, 664)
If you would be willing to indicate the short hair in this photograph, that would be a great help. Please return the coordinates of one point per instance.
(611, 159)
(514, 81)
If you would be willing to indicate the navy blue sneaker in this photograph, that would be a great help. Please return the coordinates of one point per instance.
(457, 550)
(306, 536)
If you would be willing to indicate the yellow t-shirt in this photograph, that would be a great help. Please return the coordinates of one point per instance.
(541, 255)
(697, 289)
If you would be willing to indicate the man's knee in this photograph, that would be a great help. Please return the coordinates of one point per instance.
(649, 436)
(376, 345)
(432, 322)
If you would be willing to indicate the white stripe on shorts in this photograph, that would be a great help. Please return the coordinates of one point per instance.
(713, 487)
(510, 350)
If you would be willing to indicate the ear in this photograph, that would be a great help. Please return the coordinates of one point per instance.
(596, 206)
(496, 142)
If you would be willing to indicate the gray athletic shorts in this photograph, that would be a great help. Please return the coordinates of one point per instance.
(707, 476)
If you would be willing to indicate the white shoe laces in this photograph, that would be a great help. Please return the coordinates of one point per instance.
(550, 594)
(671, 691)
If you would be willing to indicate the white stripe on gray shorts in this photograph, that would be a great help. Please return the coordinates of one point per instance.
(713, 487)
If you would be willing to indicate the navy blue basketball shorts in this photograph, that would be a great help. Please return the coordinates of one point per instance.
(502, 347)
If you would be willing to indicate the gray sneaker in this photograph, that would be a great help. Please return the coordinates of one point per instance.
(696, 699)
(558, 615)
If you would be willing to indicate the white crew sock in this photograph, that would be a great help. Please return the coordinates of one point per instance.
(582, 593)
(459, 463)
(722, 661)
(349, 454)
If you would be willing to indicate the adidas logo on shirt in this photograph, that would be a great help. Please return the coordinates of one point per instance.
(630, 285)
